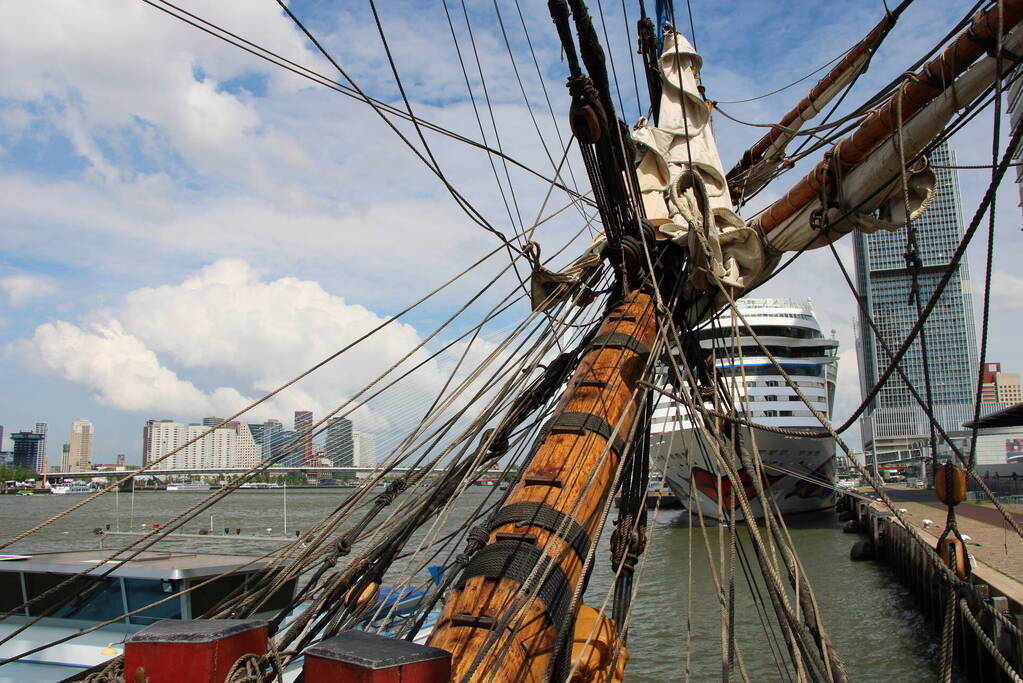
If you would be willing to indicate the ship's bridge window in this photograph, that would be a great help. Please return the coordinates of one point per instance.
(767, 369)
(763, 331)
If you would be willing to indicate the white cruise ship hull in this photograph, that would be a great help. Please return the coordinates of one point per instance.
(799, 473)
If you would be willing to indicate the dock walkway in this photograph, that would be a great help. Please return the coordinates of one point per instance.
(991, 541)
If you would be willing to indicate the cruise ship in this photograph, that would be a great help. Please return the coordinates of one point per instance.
(799, 471)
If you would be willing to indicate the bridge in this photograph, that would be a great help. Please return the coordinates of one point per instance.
(273, 470)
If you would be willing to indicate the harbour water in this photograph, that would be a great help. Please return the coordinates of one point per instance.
(871, 620)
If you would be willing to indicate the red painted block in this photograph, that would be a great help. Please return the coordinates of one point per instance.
(197, 651)
(359, 657)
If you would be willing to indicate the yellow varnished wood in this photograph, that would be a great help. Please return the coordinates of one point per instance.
(586, 469)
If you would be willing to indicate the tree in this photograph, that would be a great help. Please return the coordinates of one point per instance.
(17, 474)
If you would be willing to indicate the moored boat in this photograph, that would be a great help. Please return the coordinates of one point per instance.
(187, 486)
(799, 471)
(70, 489)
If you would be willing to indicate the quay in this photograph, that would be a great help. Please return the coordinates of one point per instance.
(987, 641)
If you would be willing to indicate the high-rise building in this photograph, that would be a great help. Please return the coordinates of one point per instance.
(80, 453)
(304, 425)
(894, 422)
(229, 446)
(160, 437)
(248, 453)
(286, 448)
(41, 428)
(211, 421)
(147, 442)
(340, 447)
(1000, 387)
(121, 459)
(27, 448)
(364, 449)
(256, 430)
(1015, 100)
(271, 428)
(214, 450)
(1, 438)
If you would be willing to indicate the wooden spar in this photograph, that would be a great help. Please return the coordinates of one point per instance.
(814, 100)
(917, 91)
(559, 475)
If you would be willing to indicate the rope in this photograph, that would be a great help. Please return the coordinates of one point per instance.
(150, 466)
(322, 80)
(112, 672)
(1003, 664)
(947, 637)
(249, 668)
(786, 87)
(989, 266)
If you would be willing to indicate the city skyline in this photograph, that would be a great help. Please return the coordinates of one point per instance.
(244, 446)
(241, 444)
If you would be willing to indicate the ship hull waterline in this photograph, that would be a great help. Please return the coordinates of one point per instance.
(799, 472)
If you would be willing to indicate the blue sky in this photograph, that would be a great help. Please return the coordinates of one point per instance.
(184, 225)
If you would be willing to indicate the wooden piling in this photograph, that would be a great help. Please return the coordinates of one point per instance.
(986, 591)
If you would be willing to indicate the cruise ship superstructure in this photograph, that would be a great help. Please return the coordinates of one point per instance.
(799, 470)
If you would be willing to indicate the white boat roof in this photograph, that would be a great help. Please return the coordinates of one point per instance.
(150, 564)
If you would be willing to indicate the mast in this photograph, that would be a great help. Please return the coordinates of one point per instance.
(915, 93)
(758, 163)
(540, 538)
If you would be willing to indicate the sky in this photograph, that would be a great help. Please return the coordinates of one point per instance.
(184, 226)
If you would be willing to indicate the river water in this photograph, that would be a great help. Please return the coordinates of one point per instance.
(871, 620)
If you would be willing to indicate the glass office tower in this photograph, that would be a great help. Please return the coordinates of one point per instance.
(894, 422)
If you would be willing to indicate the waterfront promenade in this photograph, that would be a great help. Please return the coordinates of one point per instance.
(992, 542)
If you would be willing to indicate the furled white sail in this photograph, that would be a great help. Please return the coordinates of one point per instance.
(683, 183)
(870, 196)
(687, 200)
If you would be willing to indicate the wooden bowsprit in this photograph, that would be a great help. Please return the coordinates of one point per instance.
(551, 517)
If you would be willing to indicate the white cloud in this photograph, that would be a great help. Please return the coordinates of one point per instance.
(1006, 291)
(23, 287)
(118, 367)
(210, 343)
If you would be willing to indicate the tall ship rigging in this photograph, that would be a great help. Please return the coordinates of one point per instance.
(799, 470)
(651, 312)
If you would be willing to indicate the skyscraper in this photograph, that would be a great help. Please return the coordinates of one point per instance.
(304, 424)
(340, 446)
(80, 453)
(365, 449)
(256, 430)
(40, 428)
(26, 449)
(894, 422)
(160, 437)
(271, 428)
(1015, 102)
(211, 421)
(286, 449)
